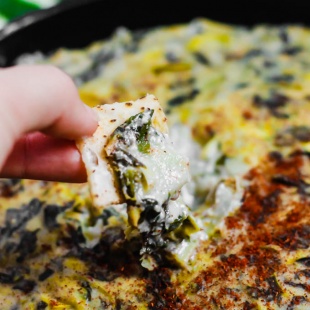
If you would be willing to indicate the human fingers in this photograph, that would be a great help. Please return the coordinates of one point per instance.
(40, 98)
(42, 157)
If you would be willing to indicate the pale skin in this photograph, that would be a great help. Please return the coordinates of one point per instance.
(41, 115)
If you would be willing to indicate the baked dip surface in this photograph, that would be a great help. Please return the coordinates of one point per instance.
(238, 106)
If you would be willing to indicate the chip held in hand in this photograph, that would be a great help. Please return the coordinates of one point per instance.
(101, 177)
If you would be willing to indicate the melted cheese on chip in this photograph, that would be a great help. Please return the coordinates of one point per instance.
(102, 180)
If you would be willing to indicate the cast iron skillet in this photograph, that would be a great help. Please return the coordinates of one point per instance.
(75, 23)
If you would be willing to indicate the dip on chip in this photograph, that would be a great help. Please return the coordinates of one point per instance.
(131, 160)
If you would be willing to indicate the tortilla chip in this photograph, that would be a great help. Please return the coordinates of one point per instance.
(101, 178)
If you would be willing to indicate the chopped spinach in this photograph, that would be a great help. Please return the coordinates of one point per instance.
(284, 78)
(275, 101)
(201, 58)
(172, 57)
(99, 60)
(76, 235)
(25, 286)
(182, 83)
(106, 214)
(6, 278)
(253, 53)
(27, 245)
(50, 214)
(301, 133)
(41, 305)
(305, 261)
(142, 138)
(292, 50)
(241, 85)
(46, 274)
(130, 179)
(10, 187)
(274, 289)
(296, 300)
(13, 275)
(269, 64)
(300, 184)
(272, 103)
(88, 289)
(273, 292)
(283, 35)
(293, 284)
(15, 219)
(138, 125)
(136, 37)
(293, 134)
(103, 274)
(180, 99)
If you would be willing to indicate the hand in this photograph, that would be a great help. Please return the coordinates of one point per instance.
(40, 116)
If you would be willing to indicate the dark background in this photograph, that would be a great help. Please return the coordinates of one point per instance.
(75, 23)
